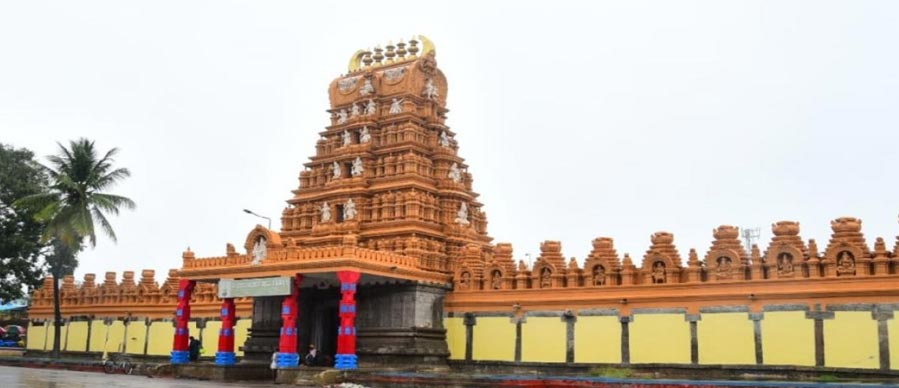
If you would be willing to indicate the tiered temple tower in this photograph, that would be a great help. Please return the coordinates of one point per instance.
(387, 169)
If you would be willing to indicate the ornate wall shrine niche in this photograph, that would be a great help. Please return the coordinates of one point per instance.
(786, 254)
(662, 262)
(500, 271)
(129, 288)
(847, 253)
(694, 267)
(602, 267)
(574, 274)
(549, 269)
(522, 276)
(726, 259)
(881, 262)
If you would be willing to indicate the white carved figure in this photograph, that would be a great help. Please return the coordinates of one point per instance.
(462, 214)
(367, 88)
(341, 116)
(455, 173)
(335, 170)
(347, 138)
(371, 108)
(431, 91)
(364, 136)
(259, 251)
(357, 167)
(355, 110)
(444, 139)
(396, 106)
(349, 211)
(326, 212)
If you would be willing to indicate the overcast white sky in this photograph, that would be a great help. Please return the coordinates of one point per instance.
(579, 119)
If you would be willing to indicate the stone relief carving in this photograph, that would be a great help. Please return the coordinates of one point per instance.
(347, 84)
(599, 275)
(395, 74)
(465, 281)
(347, 138)
(326, 212)
(349, 210)
(357, 167)
(724, 266)
(444, 140)
(371, 108)
(355, 110)
(784, 264)
(342, 116)
(497, 280)
(431, 92)
(367, 88)
(364, 135)
(455, 173)
(845, 263)
(259, 251)
(396, 106)
(336, 170)
(462, 214)
(546, 278)
(658, 272)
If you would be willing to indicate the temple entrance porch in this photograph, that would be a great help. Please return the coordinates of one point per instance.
(399, 322)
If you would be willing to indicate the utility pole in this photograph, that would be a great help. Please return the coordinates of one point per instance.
(750, 236)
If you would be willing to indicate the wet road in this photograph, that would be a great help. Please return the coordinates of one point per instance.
(14, 377)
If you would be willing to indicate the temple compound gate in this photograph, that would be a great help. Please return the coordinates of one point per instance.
(383, 258)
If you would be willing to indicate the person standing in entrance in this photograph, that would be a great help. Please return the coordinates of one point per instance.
(194, 347)
(274, 367)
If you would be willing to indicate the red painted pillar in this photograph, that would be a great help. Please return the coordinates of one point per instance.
(287, 346)
(225, 354)
(180, 350)
(346, 336)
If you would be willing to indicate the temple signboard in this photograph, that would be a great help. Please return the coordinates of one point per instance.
(233, 288)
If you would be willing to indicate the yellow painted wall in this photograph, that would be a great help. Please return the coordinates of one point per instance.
(115, 337)
(597, 339)
(98, 335)
(788, 338)
(725, 338)
(542, 339)
(455, 337)
(660, 338)
(160, 338)
(850, 340)
(893, 332)
(210, 338)
(77, 341)
(493, 339)
(137, 337)
(36, 336)
(240, 334)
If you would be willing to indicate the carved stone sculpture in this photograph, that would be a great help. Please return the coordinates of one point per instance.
(371, 108)
(259, 251)
(341, 116)
(444, 140)
(357, 167)
(396, 106)
(336, 170)
(462, 214)
(367, 88)
(349, 210)
(431, 91)
(326, 212)
(347, 138)
(364, 135)
(455, 174)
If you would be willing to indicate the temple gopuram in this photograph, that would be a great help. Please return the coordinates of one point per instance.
(383, 258)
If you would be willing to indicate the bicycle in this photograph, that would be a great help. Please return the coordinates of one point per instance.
(124, 366)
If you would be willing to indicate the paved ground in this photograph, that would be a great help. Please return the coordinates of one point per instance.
(15, 377)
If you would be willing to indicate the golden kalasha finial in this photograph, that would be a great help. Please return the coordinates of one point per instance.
(379, 56)
(413, 48)
(401, 50)
(390, 53)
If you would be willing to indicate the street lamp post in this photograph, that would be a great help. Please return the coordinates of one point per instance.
(260, 216)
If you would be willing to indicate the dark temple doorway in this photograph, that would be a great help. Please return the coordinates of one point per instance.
(319, 321)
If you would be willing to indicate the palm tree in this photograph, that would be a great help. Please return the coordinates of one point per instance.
(74, 202)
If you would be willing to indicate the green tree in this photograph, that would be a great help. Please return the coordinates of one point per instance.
(20, 232)
(72, 206)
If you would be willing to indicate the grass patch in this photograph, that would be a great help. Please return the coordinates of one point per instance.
(618, 373)
(827, 379)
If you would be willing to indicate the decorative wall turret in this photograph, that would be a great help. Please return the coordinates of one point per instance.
(727, 259)
(662, 263)
(847, 254)
(602, 266)
(786, 254)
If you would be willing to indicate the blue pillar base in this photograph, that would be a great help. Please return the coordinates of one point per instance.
(287, 360)
(346, 361)
(180, 356)
(225, 358)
